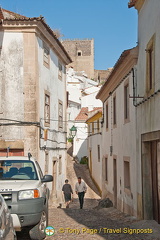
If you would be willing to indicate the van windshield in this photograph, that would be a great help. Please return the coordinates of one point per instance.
(17, 170)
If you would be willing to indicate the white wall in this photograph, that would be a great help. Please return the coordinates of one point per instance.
(72, 112)
(148, 112)
(80, 145)
(80, 141)
(96, 169)
(91, 101)
(49, 81)
(122, 139)
(76, 84)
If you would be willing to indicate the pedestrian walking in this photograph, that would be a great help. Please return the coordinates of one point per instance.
(80, 189)
(67, 191)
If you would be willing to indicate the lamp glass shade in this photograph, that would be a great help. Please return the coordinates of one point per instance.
(73, 131)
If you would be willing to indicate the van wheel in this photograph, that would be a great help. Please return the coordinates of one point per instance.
(37, 232)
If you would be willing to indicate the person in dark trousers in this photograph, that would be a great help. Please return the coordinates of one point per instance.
(80, 189)
(67, 190)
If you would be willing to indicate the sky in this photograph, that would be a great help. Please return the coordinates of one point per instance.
(111, 24)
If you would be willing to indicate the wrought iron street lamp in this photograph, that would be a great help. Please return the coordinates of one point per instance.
(73, 131)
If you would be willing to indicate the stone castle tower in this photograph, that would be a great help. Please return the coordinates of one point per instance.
(82, 55)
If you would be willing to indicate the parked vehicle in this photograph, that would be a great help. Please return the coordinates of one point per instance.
(24, 189)
(7, 231)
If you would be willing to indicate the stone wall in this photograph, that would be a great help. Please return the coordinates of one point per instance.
(82, 55)
(101, 76)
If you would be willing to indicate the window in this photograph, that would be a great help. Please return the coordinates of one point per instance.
(67, 98)
(79, 53)
(106, 116)
(46, 162)
(106, 169)
(114, 111)
(98, 148)
(127, 174)
(60, 114)
(92, 127)
(126, 102)
(150, 61)
(46, 57)
(60, 164)
(98, 126)
(17, 170)
(59, 70)
(47, 109)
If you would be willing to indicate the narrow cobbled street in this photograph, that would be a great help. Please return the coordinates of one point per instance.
(91, 223)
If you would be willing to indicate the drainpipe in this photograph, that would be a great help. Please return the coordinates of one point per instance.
(111, 146)
(134, 87)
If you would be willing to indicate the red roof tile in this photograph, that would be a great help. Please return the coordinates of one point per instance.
(83, 115)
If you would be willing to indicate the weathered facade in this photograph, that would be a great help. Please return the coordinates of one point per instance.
(33, 93)
(147, 103)
(118, 145)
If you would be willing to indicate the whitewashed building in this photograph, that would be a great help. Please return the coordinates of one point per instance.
(33, 93)
(89, 103)
(82, 93)
(94, 146)
(77, 83)
(118, 145)
(147, 103)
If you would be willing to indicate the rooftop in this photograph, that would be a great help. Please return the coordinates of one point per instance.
(133, 53)
(7, 15)
(83, 115)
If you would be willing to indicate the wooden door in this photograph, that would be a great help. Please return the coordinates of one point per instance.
(155, 168)
(158, 174)
(115, 181)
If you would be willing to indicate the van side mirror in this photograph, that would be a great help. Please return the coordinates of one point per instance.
(47, 178)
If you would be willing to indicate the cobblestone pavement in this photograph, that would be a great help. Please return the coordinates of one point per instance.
(83, 223)
(90, 223)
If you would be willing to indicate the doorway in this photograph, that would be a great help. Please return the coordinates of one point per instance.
(151, 175)
(115, 181)
(155, 168)
(54, 173)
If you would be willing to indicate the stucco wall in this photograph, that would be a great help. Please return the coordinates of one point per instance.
(147, 112)
(56, 143)
(80, 141)
(96, 168)
(11, 83)
(24, 80)
(122, 139)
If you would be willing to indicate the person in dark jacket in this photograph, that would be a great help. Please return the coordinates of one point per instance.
(67, 190)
